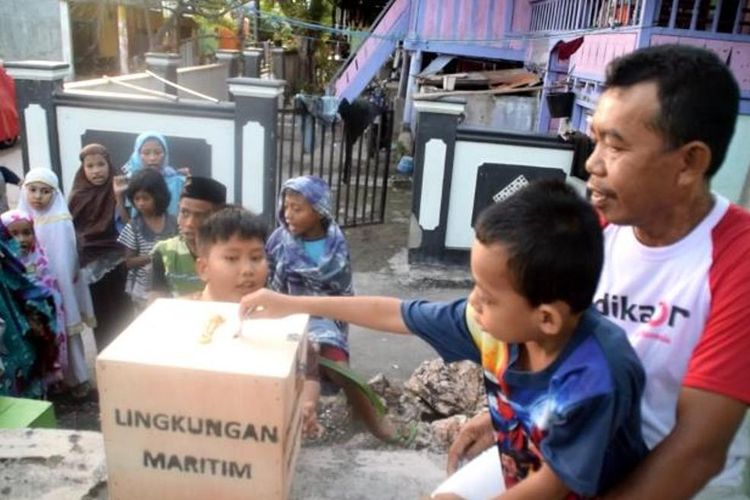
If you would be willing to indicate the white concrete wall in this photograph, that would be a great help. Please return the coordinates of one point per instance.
(210, 79)
(732, 176)
(31, 29)
(72, 123)
(468, 157)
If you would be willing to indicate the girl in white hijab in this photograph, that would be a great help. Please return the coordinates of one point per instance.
(53, 225)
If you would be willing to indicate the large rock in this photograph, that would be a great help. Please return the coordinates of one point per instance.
(443, 390)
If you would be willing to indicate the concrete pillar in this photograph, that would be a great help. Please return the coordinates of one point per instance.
(404, 77)
(415, 66)
(256, 119)
(122, 38)
(36, 83)
(165, 65)
(278, 66)
(434, 144)
(253, 60)
(66, 38)
(230, 59)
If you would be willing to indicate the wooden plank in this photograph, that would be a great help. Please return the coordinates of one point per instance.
(489, 78)
(495, 91)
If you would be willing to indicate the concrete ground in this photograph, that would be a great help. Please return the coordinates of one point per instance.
(341, 472)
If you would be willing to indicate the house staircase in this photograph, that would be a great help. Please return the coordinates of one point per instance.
(363, 63)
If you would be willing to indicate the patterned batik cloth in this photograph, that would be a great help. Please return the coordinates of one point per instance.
(37, 270)
(29, 348)
(293, 271)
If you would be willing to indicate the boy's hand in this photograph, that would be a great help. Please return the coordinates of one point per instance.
(266, 304)
(475, 436)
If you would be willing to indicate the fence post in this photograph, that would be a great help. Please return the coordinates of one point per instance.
(36, 84)
(231, 60)
(278, 66)
(165, 65)
(434, 145)
(256, 118)
(252, 59)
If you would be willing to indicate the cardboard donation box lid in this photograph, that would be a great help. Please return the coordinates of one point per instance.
(196, 404)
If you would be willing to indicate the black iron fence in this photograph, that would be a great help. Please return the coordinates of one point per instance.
(356, 168)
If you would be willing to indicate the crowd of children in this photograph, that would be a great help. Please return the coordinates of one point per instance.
(86, 260)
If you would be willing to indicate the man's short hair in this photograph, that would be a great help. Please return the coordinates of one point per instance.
(553, 240)
(153, 183)
(232, 220)
(698, 95)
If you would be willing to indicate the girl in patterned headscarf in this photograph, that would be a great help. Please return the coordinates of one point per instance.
(308, 255)
(47, 316)
(53, 227)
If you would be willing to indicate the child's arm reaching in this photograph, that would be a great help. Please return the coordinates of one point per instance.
(377, 313)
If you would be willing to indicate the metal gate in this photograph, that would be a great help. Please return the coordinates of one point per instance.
(358, 181)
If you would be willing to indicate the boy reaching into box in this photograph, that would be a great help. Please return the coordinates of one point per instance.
(231, 255)
(563, 383)
(232, 263)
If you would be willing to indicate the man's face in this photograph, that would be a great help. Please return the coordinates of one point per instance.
(498, 308)
(633, 171)
(234, 268)
(192, 213)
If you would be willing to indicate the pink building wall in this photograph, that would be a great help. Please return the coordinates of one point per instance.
(597, 51)
(521, 16)
(739, 64)
(456, 21)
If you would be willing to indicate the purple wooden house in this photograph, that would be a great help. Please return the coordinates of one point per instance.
(527, 33)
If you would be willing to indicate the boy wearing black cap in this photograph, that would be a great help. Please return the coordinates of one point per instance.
(174, 259)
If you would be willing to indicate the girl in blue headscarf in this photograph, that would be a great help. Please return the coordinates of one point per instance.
(151, 151)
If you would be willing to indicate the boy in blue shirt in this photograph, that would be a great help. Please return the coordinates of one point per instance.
(563, 383)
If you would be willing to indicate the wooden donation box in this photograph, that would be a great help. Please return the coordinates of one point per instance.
(196, 404)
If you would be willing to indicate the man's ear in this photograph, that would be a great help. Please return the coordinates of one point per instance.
(201, 267)
(696, 160)
(550, 318)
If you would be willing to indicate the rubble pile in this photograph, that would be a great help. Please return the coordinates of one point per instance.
(438, 398)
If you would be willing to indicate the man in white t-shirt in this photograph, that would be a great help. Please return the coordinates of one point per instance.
(676, 273)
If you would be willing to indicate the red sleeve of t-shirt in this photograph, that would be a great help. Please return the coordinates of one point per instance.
(721, 360)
